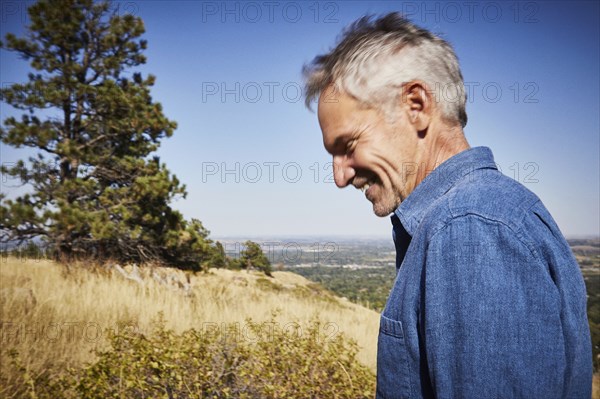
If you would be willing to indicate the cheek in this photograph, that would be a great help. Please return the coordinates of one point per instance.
(366, 164)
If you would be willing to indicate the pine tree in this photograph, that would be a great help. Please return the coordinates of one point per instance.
(253, 257)
(95, 188)
(219, 258)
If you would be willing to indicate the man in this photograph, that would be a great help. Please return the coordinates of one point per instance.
(488, 301)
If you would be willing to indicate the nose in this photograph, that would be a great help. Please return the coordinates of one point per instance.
(343, 172)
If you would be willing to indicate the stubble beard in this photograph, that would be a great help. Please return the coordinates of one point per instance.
(387, 204)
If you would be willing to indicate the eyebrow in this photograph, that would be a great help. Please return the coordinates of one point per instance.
(339, 142)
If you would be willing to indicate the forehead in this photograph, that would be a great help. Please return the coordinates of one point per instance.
(333, 100)
(337, 111)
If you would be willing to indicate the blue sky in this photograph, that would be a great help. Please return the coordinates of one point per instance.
(251, 155)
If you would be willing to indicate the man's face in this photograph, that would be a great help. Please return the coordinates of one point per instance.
(369, 152)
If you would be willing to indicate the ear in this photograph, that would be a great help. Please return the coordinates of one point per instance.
(418, 104)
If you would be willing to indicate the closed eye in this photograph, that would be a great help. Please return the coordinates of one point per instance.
(343, 144)
(350, 146)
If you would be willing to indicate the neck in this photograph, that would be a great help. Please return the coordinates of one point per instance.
(442, 145)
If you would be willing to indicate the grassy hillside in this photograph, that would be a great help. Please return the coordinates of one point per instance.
(55, 316)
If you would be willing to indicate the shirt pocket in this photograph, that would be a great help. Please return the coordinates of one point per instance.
(393, 379)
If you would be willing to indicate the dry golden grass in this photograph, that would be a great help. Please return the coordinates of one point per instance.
(54, 315)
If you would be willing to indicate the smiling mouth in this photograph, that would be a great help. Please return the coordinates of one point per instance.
(364, 186)
(364, 181)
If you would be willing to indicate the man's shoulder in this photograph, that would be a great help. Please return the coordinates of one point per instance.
(490, 194)
(486, 194)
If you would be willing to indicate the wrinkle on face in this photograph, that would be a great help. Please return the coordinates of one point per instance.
(369, 149)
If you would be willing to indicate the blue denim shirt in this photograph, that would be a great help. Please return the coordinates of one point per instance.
(488, 301)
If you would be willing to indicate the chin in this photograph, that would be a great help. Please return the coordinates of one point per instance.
(385, 206)
(382, 214)
(383, 211)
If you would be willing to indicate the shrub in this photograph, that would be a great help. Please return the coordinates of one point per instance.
(266, 360)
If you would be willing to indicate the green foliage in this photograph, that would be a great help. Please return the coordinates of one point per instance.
(592, 281)
(252, 257)
(219, 259)
(369, 287)
(260, 360)
(95, 188)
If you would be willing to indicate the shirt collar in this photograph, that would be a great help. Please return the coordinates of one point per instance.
(440, 181)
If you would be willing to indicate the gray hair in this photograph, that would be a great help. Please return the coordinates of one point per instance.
(375, 56)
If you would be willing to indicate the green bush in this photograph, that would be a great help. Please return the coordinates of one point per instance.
(266, 360)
